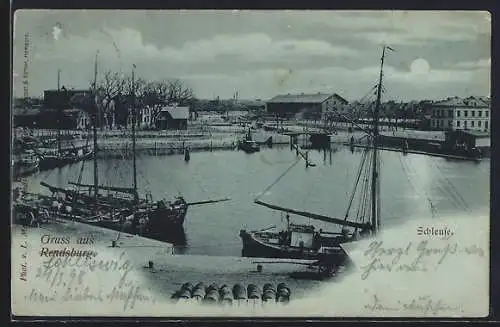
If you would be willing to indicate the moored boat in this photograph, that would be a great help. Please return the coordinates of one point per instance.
(298, 241)
(25, 163)
(119, 207)
(50, 159)
(247, 144)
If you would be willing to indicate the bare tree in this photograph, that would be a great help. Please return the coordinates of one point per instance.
(132, 94)
(155, 96)
(109, 87)
(178, 92)
(158, 94)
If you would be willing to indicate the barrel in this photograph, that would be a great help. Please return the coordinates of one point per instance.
(253, 291)
(212, 286)
(282, 293)
(198, 291)
(268, 293)
(225, 294)
(212, 294)
(239, 292)
(187, 287)
(184, 294)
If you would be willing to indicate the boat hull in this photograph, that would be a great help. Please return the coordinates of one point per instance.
(248, 148)
(163, 220)
(51, 161)
(254, 247)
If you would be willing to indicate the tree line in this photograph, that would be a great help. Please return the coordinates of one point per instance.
(115, 94)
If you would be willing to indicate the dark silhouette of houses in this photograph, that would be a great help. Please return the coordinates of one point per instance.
(51, 118)
(172, 117)
(62, 98)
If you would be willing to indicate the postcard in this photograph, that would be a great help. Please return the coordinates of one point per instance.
(180, 163)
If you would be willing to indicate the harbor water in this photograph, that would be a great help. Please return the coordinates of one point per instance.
(412, 187)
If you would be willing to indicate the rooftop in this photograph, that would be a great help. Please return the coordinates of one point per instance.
(305, 98)
(177, 112)
(464, 102)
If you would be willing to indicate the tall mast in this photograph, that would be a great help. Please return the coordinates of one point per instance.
(136, 195)
(94, 128)
(59, 111)
(375, 185)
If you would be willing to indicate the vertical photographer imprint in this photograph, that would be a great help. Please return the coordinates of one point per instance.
(251, 163)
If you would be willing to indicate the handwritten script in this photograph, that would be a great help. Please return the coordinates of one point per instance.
(419, 256)
(67, 280)
(419, 305)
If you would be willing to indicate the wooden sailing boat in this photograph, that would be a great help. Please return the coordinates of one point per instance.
(122, 208)
(304, 241)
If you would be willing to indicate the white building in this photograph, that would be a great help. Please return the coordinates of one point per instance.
(146, 115)
(472, 113)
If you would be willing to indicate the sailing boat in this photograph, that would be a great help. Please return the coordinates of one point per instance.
(304, 241)
(122, 208)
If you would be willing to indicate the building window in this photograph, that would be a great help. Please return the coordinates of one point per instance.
(458, 113)
(433, 123)
(465, 113)
(449, 123)
(486, 113)
(450, 113)
(479, 113)
(479, 123)
(486, 125)
(458, 123)
(472, 124)
(473, 113)
(465, 123)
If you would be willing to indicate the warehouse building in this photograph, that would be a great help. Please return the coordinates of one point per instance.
(308, 106)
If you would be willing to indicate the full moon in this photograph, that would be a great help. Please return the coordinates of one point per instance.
(420, 66)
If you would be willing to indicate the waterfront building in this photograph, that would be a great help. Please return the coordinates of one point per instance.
(76, 119)
(73, 118)
(62, 97)
(472, 113)
(311, 106)
(172, 117)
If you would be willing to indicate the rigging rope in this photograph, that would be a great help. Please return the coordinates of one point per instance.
(358, 175)
(457, 194)
(364, 198)
(407, 170)
(278, 179)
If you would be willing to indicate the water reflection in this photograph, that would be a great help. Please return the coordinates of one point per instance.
(412, 187)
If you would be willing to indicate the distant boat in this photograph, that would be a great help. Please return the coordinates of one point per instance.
(25, 163)
(24, 160)
(61, 157)
(247, 144)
